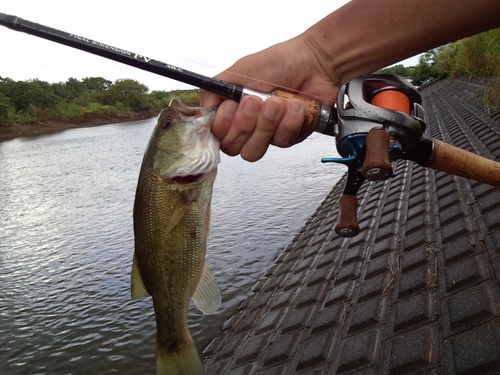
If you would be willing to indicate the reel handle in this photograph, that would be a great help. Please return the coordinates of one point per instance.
(347, 220)
(377, 165)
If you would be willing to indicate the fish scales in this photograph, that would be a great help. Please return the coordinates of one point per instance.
(171, 222)
(168, 268)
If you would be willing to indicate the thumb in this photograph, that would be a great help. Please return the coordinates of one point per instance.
(209, 99)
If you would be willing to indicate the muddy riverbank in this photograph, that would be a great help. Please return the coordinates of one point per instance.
(52, 126)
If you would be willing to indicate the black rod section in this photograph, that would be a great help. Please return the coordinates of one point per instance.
(225, 89)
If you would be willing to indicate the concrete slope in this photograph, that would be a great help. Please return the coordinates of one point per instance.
(417, 292)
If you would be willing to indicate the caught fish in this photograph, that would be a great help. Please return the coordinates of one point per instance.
(171, 222)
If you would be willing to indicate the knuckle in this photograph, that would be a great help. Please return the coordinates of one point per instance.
(286, 134)
(229, 150)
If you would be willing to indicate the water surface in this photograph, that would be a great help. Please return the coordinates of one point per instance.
(66, 244)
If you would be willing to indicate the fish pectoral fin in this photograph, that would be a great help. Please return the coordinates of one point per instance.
(178, 213)
(138, 289)
(207, 296)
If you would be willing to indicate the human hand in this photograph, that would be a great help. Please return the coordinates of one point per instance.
(248, 128)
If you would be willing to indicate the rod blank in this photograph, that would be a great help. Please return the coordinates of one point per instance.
(225, 89)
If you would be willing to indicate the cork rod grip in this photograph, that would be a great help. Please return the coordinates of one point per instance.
(312, 112)
(454, 160)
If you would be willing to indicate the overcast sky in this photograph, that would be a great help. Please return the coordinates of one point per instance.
(198, 35)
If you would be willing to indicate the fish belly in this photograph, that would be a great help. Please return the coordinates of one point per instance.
(171, 228)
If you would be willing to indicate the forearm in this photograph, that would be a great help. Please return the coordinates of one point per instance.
(357, 39)
(366, 35)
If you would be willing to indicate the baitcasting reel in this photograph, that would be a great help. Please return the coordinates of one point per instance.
(380, 119)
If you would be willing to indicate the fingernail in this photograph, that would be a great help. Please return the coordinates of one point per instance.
(295, 106)
(271, 110)
(251, 107)
(229, 109)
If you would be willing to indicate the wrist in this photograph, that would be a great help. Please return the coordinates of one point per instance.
(347, 50)
(366, 35)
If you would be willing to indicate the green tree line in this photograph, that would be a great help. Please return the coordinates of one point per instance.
(476, 57)
(399, 70)
(34, 101)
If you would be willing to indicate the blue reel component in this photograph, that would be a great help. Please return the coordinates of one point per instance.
(350, 147)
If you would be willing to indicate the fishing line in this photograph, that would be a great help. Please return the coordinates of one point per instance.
(272, 84)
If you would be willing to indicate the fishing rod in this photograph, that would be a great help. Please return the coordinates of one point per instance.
(133, 59)
(317, 118)
(377, 119)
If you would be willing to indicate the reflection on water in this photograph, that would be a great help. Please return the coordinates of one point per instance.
(66, 244)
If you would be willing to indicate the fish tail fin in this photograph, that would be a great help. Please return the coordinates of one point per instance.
(185, 361)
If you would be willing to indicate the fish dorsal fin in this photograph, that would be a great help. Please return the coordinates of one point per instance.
(138, 289)
(207, 296)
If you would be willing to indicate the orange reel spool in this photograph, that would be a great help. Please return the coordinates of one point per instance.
(377, 164)
(393, 100)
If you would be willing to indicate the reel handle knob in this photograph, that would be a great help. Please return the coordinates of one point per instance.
(347, 220)
(377, 165)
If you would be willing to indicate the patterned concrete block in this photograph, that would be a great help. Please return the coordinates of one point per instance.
(414, 311)
(475, 351)
(315, 351)
(359, 351)
(328, 318)
(417, 292)
(414, 351)
(366, 315)
(341, 291)
(282, 350)
(471, 306)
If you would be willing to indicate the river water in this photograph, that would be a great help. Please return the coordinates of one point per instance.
(66, 244)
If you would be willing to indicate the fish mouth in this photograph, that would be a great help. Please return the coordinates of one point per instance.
(186, 150)
(186, 180)
(193, 166)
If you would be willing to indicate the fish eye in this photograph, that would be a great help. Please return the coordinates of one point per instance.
(165, 123)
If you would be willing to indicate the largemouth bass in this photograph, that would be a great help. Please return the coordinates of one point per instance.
(171, 222)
